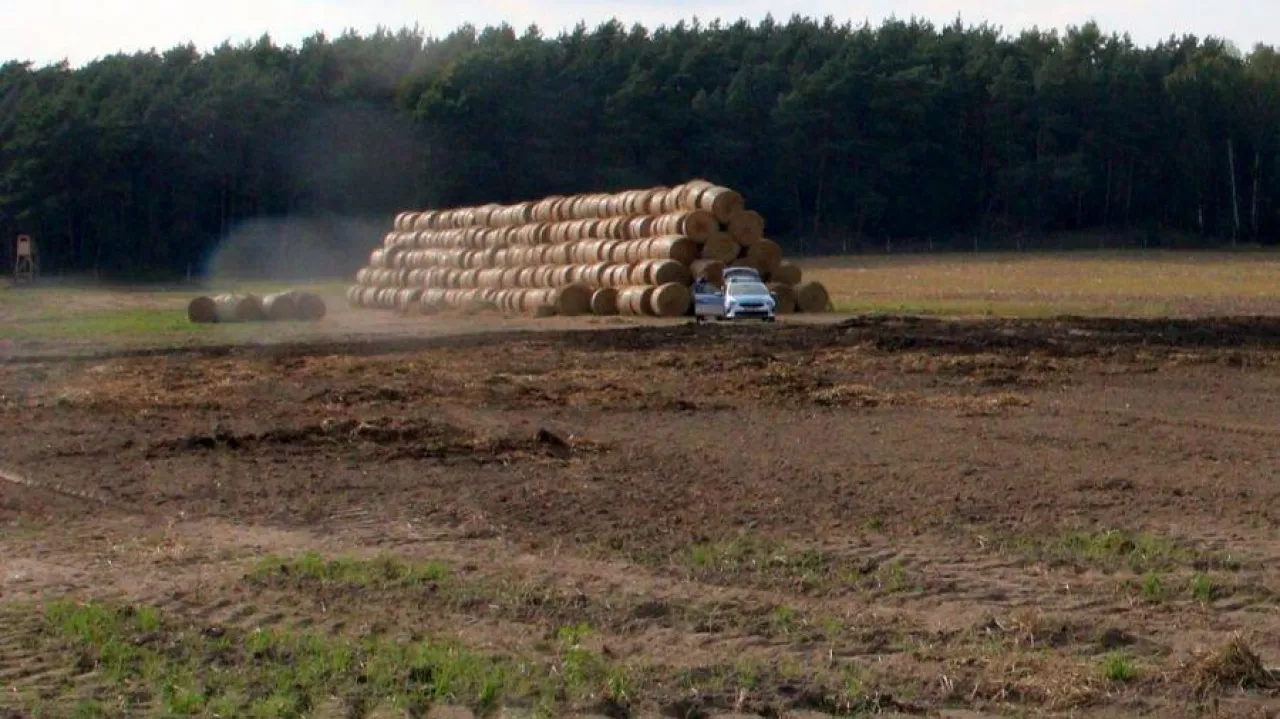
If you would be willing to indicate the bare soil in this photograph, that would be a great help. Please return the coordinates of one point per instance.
(991, 516)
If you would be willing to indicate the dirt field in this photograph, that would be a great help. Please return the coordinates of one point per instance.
(924, 517)
(839, 515)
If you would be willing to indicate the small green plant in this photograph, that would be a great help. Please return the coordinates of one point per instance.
(1203, 589)
(1116, 667)
(87, 709)
(892, 577)
(784, 619)
(1152, 588)
(746, 675)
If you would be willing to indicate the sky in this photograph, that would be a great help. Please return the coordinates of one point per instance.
(79, 31)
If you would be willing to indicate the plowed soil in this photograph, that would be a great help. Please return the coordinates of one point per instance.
(1058, 517)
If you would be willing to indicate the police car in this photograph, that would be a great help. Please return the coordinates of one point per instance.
(745, 296)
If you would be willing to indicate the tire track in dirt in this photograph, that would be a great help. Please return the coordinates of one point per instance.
(60, 489)
(21, 659)
(1248, 430)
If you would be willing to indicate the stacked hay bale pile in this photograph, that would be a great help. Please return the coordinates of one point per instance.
(632, 253)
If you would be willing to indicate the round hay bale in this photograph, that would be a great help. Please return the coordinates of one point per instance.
(691, 190)
(766, 254)
(630, 301)
(407, 299)
(280, 306)
(432, 301)
(670, 299)
(785, 295)
(203, 310)
(646, 301)
(746, 227)
(720, 247)
(710, 270)
(786, 273)
(233, 307)
(656, 199)
(812, 297)
(311, 307)
(669, 271)
(673, 247)
(639, 274)
(645, 226)
(604, 301)
(573, 300)
(747, 262)
(525, 302)
(353, 297)
(545, 299)
(721, 202)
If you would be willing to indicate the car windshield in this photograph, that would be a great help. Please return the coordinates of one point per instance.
(747, 288)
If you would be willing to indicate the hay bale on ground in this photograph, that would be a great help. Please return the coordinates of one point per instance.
(670, 300)
(202, 310)
(280, 307)
(604, 301)
(631, 301)
(353, 295)
(785, 295)
(311, 307)
(812, 297)
(233, 307)
(646, 301)
(573, 300)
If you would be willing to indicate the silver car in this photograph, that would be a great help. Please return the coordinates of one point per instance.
(744, 298)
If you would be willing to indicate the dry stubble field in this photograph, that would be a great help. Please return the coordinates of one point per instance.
(978, 517)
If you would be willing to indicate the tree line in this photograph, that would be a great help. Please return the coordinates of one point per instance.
(843, 136)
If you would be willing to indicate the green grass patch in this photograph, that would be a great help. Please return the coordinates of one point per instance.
(1113, 549)
(172, 669)
(764, 562)
(103, 324)
(1203, 589)
(1153, 588)
(379, 573)
(134, 661)
(1116, 667)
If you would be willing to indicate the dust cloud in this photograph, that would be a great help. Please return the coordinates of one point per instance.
(294, 249)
